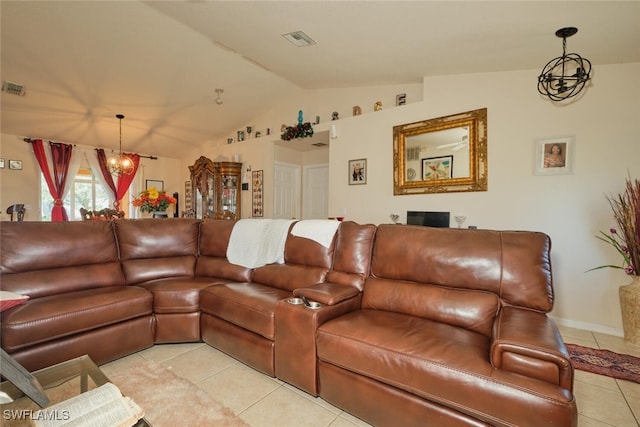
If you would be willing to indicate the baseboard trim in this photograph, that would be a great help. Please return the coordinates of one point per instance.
(593, 327)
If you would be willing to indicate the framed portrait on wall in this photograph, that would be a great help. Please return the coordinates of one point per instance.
(187, 195)
(555, 156)
(440, 167)
(357, 171)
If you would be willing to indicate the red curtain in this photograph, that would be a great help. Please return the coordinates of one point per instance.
(61, 157)
(124, 181)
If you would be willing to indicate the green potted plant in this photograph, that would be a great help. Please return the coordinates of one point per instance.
(626, 240)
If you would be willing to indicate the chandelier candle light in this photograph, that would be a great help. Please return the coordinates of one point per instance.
(121, 164)
(565, 76)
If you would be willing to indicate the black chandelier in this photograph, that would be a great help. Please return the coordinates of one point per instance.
(565, 76)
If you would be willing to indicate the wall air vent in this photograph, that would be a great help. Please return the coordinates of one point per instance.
(13, 88)
(299, 39)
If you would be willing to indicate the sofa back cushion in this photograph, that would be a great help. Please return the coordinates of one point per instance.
(45, 258)
(352, 256)
(212, 262)
(157, 248)
(307, 252)
(514, 265)
(306, 262)
(472, 310)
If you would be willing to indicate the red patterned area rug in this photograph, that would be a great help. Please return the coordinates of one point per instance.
(605, 362)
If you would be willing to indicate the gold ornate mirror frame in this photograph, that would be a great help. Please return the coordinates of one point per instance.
(428, 144)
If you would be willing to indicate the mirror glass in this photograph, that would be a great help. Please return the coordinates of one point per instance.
(445, 154)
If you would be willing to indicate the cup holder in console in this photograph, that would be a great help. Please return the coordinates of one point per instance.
(314, 305)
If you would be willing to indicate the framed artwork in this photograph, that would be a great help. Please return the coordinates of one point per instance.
(154, 183)
(1, 163)
(555, 156)
(257, 205)
(357, 171)
(187, 196)
(440, 167)
(15, 164)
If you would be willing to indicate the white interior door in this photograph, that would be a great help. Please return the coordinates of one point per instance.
(316, 192)
(286, 190)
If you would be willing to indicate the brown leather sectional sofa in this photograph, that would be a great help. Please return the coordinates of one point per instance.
(418, 326)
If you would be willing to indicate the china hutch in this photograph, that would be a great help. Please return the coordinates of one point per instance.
(215, 189)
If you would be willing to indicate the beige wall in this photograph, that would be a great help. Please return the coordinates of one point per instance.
(16, 186)
(23, 186)
(570, 208)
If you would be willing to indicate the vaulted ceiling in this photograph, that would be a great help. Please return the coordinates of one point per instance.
(159, 62)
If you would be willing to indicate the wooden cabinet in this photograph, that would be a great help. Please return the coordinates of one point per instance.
(215, 189)
(227, 190)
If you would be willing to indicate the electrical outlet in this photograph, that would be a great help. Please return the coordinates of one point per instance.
(27, 207)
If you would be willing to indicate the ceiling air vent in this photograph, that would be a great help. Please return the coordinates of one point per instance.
(319, 144)
(299, 38)
(13, 88)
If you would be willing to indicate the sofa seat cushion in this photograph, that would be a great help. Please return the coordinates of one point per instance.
(177, 294)
(248, 305)
(49, 318)
(436, 361)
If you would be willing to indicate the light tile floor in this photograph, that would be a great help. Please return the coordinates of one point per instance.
(264, 401)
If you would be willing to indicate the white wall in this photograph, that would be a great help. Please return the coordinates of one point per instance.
(570, 208)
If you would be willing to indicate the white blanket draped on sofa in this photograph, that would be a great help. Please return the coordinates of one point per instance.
(319, 230)
(257, 242)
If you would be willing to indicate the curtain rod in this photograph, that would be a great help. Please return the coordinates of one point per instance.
(144, 157)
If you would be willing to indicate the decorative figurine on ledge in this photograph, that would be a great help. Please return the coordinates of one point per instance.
(301, 130)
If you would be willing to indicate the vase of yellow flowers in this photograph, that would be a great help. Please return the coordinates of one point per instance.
(154, 202)
(626, 240)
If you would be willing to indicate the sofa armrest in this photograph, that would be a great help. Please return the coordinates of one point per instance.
(528, 343)
(327, 293)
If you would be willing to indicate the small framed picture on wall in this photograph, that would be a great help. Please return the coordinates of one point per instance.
(15, 164)
(158, 185)
(555, 156)
(357, 171)
(257, 186)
